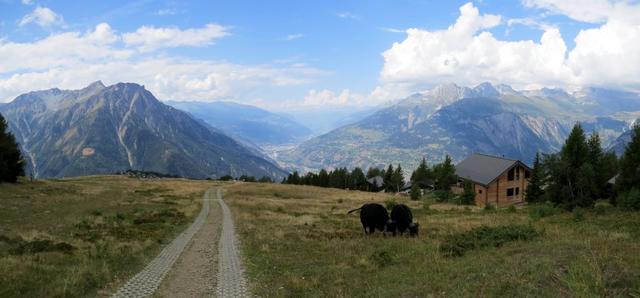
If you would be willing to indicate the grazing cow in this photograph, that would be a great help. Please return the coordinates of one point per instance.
(403, 220)
(372, 216)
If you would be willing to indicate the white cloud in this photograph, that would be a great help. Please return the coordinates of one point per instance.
(66, 49)
(149, 38)
(348, 15)
(103, 34)
(393, 30)
(468, 54)
(317, 100)
(591, 11)
(166, 12)
(326, 97)
(294, 36)
(43, 17)
(27, 2)
(71, 60)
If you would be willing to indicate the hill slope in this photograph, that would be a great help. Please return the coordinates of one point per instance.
(101, 129)
(460, 121)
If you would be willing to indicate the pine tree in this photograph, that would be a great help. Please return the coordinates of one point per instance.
(323, 178)
(534, 190)
(445, 174)
(358, 180)
(398, 178)
(388, 178)
(373, 172)
(571, 174)
(421, 175)
(596, 159)
(294, 178)
(630, 164)
(11, 162)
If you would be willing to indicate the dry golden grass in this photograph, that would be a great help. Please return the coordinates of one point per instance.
(115, 224)
(298, 241)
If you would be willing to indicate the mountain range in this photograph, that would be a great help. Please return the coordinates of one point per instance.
(104, 129)
(459, 121)
(247, 123)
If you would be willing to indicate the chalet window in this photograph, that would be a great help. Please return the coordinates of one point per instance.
(517, 191)
(527, 174)
(509, 192)
(517, 170)
(480, 191)
(510, 174)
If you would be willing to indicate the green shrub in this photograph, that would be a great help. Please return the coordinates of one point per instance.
(578, 215)
(443, 196)
(538, 211)
(19, 246)
(389, 204)
(489, 208)
(511, 209)
(600, 209)
(415, 192)
(630, 201)
(468, 196)
(485, 236)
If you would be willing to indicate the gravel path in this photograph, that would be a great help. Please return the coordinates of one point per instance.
(194, 273)
(146, 282)
(231, 278)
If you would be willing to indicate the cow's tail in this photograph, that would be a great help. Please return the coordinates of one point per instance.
(354, 210)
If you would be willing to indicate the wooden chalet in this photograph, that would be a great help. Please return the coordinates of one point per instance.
(497, 181)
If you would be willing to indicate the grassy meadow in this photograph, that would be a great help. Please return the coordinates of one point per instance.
(82, 237)
(298, 241)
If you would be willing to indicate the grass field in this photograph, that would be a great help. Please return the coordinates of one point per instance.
(84, 236)
(298, 241)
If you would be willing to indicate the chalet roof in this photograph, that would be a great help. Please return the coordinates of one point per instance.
(377, 181)
(483, 169)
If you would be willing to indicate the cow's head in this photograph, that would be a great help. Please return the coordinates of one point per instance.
(413, 228)
(391, 226)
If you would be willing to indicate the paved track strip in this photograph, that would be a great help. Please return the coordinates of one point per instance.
(231, 278)
(146, 282)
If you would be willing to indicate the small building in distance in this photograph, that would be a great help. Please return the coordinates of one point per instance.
(375, 183)
(497, 181)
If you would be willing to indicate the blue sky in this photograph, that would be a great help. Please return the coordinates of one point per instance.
(309, 54)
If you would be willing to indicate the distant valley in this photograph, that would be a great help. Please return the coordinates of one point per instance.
(246, 122)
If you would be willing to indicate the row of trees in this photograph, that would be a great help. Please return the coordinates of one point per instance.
(356, 179)
(11, 162)
(578, 175)
(440, 177)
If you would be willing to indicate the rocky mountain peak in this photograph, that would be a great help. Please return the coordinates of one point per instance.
(97, 85)
(486, 90)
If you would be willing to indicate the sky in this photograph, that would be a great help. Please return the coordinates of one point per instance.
(305, 55)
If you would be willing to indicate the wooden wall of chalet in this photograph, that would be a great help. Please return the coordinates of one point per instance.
(496, 194)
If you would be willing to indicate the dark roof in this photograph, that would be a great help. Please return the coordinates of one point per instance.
(483, 169)
(407, 185)
(377, 181)
(613, 179)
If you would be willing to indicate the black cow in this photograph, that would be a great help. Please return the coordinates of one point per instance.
(402, 220)
(372, 216)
